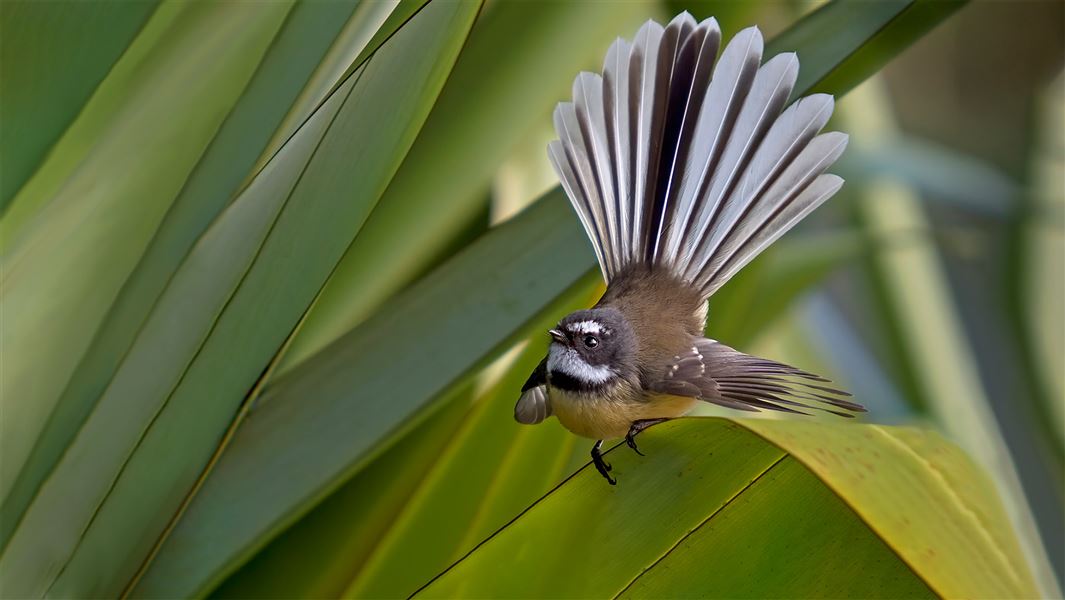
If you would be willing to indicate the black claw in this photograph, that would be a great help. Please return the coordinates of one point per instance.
(631, 441)
(601, 465)
(636, 428)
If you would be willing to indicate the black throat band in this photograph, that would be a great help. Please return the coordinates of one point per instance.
(567, 382)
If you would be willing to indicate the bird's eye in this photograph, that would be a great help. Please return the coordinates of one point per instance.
(591, 341)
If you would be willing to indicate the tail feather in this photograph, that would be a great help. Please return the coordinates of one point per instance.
(650, 66)
(683, 160)
(769, 92)
(556, 152)
(692, 73)
(618, 106)
(822, 188)
(755, 210)
(724, 98)
(591, 119)
(573, 162)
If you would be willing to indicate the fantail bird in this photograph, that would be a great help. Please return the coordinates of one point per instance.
(682, 168)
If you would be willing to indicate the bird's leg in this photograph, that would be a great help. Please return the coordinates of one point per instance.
(601, 465)
(636, 428)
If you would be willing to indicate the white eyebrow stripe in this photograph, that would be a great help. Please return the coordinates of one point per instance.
(585, 327)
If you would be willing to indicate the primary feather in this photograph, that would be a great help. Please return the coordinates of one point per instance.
(682, 159)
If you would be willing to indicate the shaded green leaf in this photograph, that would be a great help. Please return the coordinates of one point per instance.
(480, 456)
(229, 308)
(293, 54)
(53, 55)
(351, 399)
(318, 557)
(63, 268)
(371, 25)
(842, 43)
(940, 174)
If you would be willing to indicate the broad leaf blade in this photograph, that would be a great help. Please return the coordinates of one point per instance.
(239, 315)
(351, 398)
(930, 338)
(879, 470)
(842, 43)
(210, 187)
(63, 269)
(83, 479)
(371, 25)
(745, 512)
(805, 544)
(479, 457)
(357, 23)
(350, 169)
(52, 57)
(319, 556)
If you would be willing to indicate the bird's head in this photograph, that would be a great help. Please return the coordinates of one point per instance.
(590, 350)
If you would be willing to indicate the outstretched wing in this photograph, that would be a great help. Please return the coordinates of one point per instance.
(534, 406)
(716, 373)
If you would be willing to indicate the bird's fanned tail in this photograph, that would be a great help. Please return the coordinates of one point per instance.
(682, 159)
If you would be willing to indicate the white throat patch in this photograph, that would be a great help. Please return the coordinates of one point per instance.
(566, 360)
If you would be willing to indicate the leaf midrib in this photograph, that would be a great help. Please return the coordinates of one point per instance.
(706, 520)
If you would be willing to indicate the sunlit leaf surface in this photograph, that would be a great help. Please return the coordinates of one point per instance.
(758, 509)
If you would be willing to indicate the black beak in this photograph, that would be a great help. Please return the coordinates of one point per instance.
(558, 336)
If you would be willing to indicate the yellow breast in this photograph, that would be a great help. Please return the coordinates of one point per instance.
(609, 415)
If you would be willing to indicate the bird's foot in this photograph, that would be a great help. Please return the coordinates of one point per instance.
(601, 465)
(636, 428)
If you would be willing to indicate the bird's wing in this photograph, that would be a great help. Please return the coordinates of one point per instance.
(534, 406)
(716, 373)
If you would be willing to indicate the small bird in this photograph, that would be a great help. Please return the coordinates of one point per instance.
(682, 165)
